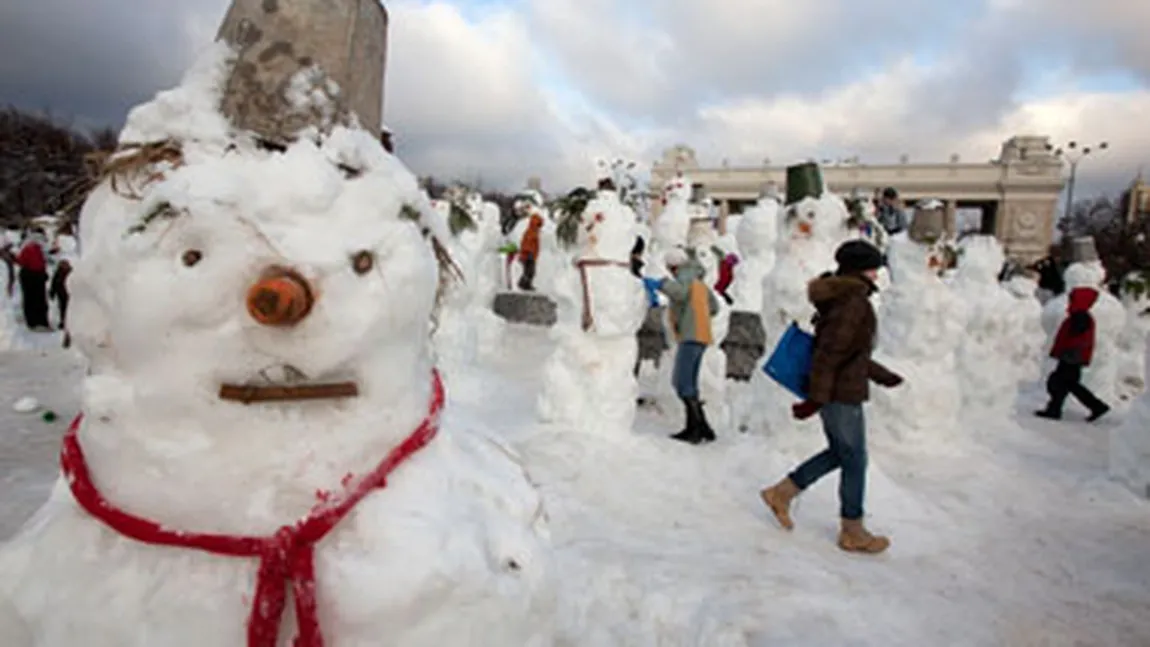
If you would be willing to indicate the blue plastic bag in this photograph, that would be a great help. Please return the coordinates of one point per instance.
(652, 286)
(790, 362)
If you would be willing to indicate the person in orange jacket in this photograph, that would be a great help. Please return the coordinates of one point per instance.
(529, 252)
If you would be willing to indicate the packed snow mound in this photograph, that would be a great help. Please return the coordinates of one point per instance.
(1132, 344)
(243, 268)
(921, 324)
(1130, 448)
(1000, 345)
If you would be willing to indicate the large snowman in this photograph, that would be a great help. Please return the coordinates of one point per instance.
(263, 427)
(812, 226)
(999, 349)
(1102, 376)
(588, 382)
(921, 325)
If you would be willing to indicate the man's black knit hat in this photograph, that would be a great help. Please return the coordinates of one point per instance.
(856, 256)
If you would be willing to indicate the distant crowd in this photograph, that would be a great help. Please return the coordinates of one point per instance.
(40, 269)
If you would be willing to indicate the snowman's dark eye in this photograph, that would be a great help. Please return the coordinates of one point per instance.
(362, 262)
(192, 257)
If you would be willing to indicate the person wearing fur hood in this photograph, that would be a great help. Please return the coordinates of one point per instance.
(841, 369)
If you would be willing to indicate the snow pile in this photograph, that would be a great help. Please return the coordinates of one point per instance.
(456, 543)
(1101, 376)
(921, 324)
(757, 235)
(1130, 448)
(999, 347)
(1132, 345)
(588, 382)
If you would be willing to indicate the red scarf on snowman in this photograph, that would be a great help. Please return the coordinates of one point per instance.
(286, 557)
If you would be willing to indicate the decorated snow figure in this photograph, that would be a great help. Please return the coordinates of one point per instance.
(811, 229)
(745, 343)
(466, 305)
(1101, 376)
(672, 226)
(262, 426)
(588, 382)
(921, 324)
(997, 351)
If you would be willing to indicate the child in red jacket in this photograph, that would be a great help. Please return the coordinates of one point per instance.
(1074, 348)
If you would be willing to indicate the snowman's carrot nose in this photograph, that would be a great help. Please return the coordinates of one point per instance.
(805, 228)
(281, 298)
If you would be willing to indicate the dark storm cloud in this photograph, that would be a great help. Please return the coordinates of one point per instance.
(91, 60)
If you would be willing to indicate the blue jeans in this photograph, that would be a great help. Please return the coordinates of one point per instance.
(845, 428)
(685, 376)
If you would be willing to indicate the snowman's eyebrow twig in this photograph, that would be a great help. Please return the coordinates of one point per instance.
(259, 234)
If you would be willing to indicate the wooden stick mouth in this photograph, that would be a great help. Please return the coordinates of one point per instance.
(251, 393)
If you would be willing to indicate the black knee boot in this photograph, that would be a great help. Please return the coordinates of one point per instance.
(690, 433)
(705, 433)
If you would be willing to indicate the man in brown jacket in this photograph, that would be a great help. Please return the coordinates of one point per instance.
(841, 367)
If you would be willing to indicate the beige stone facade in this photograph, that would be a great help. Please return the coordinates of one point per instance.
(1017, 192)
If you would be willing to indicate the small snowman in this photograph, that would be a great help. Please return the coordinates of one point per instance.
(998, 350)
(673, 224)
(921, 324)
(757, 235)
(1102, 375)
(262, 425)
(588, 382)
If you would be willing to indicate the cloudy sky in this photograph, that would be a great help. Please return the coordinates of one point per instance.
(499, 90)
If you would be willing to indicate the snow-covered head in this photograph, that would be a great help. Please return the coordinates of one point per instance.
(607, 228)
(982, 260)
(821, 219)
(229, 264)
(909, 262)
(678, 189)
(1090, 274)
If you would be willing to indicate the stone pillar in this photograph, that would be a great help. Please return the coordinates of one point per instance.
(951, 211)
(1026, 225)
(724, 212)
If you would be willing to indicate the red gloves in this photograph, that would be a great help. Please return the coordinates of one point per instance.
(804, 410)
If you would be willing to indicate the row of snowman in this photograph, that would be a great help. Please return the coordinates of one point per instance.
(965, 340)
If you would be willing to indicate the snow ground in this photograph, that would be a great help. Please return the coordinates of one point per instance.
(1016, 537)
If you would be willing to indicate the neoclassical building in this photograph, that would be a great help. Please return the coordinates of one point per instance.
(1017, 193)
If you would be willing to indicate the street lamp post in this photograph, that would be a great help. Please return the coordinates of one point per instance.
(1073, 154)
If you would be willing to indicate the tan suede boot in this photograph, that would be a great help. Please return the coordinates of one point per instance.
(778, 498)
(855, 538)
